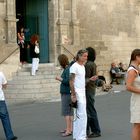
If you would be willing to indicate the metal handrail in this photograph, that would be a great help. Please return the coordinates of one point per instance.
(8, 55)
(68, 51)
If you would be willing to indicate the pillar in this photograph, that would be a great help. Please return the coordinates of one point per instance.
(11, 22)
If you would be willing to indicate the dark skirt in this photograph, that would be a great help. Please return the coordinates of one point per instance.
(65, 105)
(23, 52)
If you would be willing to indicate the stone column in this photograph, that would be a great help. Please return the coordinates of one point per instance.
(11, 21)
(75, 23)
(62, 26)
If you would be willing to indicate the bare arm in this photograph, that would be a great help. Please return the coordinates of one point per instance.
(72, 77)
(58, 78)
(129, 82)
(4, 86)
(19, 36)
(73, 93)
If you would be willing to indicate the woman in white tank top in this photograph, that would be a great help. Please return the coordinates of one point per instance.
(133, 85)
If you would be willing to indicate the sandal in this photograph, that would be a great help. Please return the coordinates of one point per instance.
(63, 131)
(66, 134)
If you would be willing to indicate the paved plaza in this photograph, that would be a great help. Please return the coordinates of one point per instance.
(42, 121)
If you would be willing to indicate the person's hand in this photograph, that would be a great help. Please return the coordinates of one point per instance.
(28, 46)
(93, 78)
(73, 98)
(4, 86)
(58, 78)
(36, 43)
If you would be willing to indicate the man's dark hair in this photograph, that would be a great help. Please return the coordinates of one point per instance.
(91, 54)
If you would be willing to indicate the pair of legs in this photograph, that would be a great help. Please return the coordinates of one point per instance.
(115, 80)
(80, 123)
(67, 112)
(35, 63)
(136, 131)
(4, 116)
(92, 118)
(68, 120)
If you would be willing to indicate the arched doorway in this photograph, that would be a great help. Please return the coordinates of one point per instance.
(33, 16)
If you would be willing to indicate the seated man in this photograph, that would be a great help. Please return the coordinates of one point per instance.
(114, 73)
(121, 67)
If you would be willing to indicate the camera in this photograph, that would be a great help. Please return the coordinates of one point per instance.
(73, 104)
(99, 83)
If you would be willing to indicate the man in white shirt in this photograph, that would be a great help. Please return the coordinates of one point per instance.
(77, 85)
(4, 115)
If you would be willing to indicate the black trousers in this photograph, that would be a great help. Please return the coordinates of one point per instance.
(92, 118)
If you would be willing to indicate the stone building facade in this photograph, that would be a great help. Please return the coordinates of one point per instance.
(111, 27)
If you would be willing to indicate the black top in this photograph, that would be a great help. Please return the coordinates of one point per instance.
(90, 68)
(32, 52)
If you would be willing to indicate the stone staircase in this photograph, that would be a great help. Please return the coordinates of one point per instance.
(26, 88)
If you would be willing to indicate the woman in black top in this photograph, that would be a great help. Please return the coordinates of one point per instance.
(34, 53)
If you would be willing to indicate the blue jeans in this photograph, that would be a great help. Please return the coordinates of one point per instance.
(92, 117)
(4, 116)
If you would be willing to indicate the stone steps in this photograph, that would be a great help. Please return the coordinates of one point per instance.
(42, 87)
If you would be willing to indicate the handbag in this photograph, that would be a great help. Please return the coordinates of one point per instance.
(73, 104)
(36, 50)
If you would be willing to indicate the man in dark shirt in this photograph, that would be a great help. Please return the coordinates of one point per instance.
(92, 118)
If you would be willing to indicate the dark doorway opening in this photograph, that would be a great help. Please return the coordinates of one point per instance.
(20, 12)
(33, 16)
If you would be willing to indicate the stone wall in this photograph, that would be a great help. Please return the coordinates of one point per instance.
(111, 27)
(63, 23)
(2, 22)
(9, 54)
(11, 65)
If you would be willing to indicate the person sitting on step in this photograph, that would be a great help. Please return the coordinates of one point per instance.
(114, 73)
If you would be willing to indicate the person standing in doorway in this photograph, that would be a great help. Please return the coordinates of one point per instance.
(22, 46)
(92, 118)
(34, 52)
(4, 115)
(65, 95)
(77, 86)
(133, 85)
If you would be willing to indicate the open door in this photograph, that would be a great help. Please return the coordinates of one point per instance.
(35, 21)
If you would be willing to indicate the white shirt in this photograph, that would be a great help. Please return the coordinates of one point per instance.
(2, 82)
(79, 71)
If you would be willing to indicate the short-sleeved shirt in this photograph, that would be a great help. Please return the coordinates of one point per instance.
(79, 71)
(65, 87)
(2, 82)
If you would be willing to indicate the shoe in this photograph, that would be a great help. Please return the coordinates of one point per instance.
(94, 135)
(66, 134)
(14, 138)
(63, 131)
